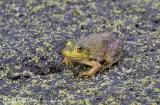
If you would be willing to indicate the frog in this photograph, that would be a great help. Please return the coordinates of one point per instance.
(92, 50)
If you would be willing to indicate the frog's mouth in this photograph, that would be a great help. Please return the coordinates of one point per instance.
(75, 55)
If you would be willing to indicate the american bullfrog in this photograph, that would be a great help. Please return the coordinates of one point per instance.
(92, 50)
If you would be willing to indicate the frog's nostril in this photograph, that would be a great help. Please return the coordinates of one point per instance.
(60, 53)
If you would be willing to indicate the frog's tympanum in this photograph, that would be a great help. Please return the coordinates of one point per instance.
(92, 50)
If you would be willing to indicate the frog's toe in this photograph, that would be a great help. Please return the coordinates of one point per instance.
(86, 74)
(83, 74)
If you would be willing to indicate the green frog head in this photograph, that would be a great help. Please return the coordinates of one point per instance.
(74, 51)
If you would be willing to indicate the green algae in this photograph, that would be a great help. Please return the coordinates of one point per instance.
(92, 5)
(5, 71)
(19, 101)
(157, 5)
(47, 3)
(78, 12)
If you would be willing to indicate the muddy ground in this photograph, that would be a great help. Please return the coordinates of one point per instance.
(33, 32)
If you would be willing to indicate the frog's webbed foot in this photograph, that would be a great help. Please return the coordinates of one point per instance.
(113, 61)
(92, 72)
(67, 61)
(110, 66)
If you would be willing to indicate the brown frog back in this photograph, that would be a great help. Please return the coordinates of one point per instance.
(93, 42)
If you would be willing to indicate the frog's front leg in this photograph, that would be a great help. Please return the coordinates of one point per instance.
(92, 72)
(68, 62)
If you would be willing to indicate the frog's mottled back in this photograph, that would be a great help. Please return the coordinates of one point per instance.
(92, 42)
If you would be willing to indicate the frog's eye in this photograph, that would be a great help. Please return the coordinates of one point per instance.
(69, 43)
(79, 49)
